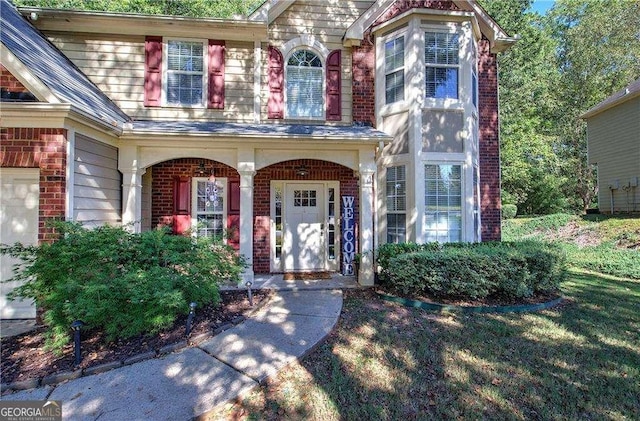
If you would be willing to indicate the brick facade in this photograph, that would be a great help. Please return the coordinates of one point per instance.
(44, 149)
(318, 171)
(162, 194)
(9, 82)
(401, 6)
(489, 143)
(364, 94)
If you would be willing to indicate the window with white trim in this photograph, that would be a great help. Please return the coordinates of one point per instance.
(185, 72)
(304, 87)
(396, 184)
(394, 70)
(443, 203)
(209, 206)
(442, 62)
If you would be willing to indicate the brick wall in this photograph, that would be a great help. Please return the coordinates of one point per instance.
(318, 170)
(162, 186)
(9, 82)
(44, 149)
(489, 143)
(364, 97)
(401, 6)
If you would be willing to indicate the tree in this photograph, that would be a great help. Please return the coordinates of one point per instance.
(598, 54)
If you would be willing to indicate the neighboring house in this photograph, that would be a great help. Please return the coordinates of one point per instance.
(613, 139)
(271, 129)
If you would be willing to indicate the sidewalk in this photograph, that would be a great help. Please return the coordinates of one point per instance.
(196, 380)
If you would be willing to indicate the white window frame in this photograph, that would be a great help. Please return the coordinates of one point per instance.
(463, 197)
(394, 38)
(323, 91)
(457, 66)
(388, 208)
(220, 181)
(166, 71)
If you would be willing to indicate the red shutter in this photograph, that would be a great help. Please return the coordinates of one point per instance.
(275, 105)
(216, 74)
(181, 205)
(334, 86)
(233, 214)
(152, 71)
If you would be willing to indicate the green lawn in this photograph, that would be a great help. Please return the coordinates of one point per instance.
(384, 361)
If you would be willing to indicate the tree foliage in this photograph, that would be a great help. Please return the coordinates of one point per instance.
(191, 8)
(564, 64)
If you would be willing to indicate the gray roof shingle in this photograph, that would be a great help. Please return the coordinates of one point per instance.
(54, 69)
(353, 132)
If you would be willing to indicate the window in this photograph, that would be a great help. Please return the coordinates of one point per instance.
(394, 70)
(185, 73)
(305, 95)
(396, 204)
(278, 219)
(332, 223)
(304, 198)
(210, 207)
(442, 64)
(443, 203)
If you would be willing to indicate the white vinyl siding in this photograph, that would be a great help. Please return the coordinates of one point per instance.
(97, 186)
(116, 65)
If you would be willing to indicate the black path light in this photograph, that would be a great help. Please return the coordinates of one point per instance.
(76, 326)
(192, 313)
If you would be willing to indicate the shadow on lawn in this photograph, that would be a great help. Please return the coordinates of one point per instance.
(384, 361)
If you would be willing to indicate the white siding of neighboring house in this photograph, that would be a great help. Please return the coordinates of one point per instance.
(330, 19)
(97, 186)
(614, 145)
(116, 65)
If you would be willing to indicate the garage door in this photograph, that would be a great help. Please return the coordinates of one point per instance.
(18, 223)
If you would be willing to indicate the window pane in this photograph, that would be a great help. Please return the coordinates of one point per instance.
(443, 203)
(441, 82)
(184, 73)
(304, 85)
(394, 70)
(441, 48)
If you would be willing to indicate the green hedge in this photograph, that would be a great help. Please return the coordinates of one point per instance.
(119, 282)
(474, 271)
(509, 211)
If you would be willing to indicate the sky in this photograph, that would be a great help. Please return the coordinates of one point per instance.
(541, 6)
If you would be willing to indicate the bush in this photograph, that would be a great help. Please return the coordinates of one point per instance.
(119, 282)
(386, 252)
(509, 211)
(474, 271)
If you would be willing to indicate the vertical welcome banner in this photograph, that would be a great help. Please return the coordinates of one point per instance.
(348, 235)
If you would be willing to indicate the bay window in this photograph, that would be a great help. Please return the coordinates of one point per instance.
(394, 70)
(396, 184)
(443, 203)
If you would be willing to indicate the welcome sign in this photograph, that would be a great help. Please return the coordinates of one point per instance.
(348, 235)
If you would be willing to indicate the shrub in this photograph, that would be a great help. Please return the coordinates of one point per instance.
(386, 252)
(473, 271)
(122, 283)
(509, 211)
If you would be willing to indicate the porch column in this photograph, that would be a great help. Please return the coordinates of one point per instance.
(246, 169)
(367, 175)
(131, 188)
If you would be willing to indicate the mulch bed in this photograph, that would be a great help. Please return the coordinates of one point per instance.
(306, 276)
(23, 356)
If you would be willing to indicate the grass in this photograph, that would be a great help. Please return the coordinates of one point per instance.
(607, 244)
(384, 361)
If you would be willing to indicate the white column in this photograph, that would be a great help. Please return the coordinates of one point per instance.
(246, 169)
(70, 175)
(131, 187)
(367, 175)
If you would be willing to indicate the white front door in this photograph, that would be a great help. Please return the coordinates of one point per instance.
(304, 246)
(18, 223)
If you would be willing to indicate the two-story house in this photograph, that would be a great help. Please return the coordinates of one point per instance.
(305, 133)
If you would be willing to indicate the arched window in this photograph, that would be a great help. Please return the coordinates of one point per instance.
(305, 95)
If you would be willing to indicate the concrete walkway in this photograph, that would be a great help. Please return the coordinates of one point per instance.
(196, 380)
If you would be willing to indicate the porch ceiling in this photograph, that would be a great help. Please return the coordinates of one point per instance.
(275, 132)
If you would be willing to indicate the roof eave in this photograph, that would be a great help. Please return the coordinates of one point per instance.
(600, 108)
(139, 24)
